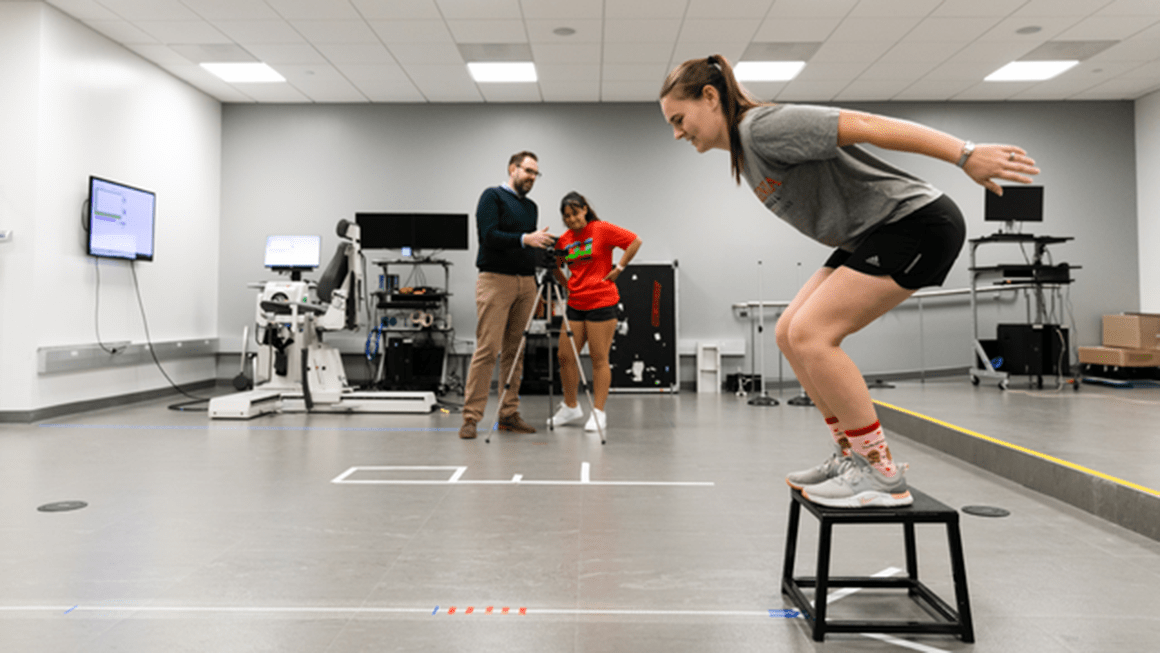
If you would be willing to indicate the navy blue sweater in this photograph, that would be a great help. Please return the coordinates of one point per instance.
(502, 218)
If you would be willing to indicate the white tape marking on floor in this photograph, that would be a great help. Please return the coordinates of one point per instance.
(914, 646)
(847, 591)
(456, 478)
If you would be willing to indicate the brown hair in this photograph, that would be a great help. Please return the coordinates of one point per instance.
(576, 199)
(519, 157)
(688, 81)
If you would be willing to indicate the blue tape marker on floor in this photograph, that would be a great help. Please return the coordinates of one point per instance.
(785, 614)
(435, 611)
(72, 608)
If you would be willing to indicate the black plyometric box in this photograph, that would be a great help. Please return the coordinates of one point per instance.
(1033, 349)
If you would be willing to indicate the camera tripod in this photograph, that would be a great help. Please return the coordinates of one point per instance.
(548, 290)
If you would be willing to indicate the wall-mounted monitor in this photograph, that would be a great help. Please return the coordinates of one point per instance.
(121, 220)
(1016, 204)
(293, 253)
(417, 231)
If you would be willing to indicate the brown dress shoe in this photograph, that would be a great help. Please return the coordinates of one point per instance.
(467, 431)
(515, 423)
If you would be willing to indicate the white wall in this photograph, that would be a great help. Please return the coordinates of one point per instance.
(300, 168)
(1148, 191)
(82, 105)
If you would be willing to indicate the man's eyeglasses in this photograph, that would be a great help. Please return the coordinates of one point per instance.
(532, 171)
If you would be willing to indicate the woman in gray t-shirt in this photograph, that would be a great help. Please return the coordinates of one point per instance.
(893, 233)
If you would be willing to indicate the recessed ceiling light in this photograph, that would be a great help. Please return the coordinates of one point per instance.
(563, 31)
(502, 71)
(1029, 71)
(768, 71)
(244, 72)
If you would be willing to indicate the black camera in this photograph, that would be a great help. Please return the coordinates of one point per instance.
(546, 258)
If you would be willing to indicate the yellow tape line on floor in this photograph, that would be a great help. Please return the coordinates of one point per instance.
(1030, 452)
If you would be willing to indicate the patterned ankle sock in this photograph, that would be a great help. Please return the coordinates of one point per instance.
(839, 435)
(870, 443)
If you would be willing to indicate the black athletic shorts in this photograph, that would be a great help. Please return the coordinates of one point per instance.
(594, 315)
(916, 251)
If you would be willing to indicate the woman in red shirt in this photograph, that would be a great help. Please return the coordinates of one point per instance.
(586, 250)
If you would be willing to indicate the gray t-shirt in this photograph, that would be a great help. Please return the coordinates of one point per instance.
(832, 194)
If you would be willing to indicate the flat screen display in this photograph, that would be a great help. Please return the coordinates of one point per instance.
(418, 231)
(293, 252)
(1017, 204)
(121, 220)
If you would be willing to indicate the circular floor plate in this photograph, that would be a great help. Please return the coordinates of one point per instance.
(986, 511)
(62, 506)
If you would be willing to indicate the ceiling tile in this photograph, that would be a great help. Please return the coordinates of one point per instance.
(894, 8)
(397, 9)
(315, 10)
(149, 9)
(765, 91)
(636, 30)
(208, 83)
(1107, 27)
(510, 92)
(796, 29)
(412, 31)
(289, 54)
(626, 91)
(812, 8)
(556, 10)
(182, 31)
(578, 91)
(480, 9)
(488, 31)
(355, 53)
(122, 32)
(564, 73)
(959, 30)
(635, 53)
(861, 29)
(750, 9)
(586, 30)
(1129, 8)
(260, 31)
(805, 91)
(335, 31)
(645, 9)
(581, 53)
(623, 72)
(84, 10)
(321, 83)
(279, 93)
(968, 8)
(431, 54)
(708, 31)
(162, 55)
(929, 89)
(444, 83)
(864, 90)
(232, 9)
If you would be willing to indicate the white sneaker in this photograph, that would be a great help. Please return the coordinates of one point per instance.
(565, 415)
(597, 414)
(831, 467)
(861, 486)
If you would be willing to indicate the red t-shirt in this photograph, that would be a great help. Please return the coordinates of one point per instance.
(588, 255)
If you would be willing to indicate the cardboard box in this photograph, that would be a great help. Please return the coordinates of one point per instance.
(1132, 331)
(1119, 356)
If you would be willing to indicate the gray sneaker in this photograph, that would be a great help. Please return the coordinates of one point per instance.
(833, 466)
(861, 486)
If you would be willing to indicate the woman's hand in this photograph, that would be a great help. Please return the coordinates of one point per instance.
(990, 161)
(613, 274)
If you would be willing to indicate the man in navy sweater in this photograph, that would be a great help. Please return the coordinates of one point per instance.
(505, 291)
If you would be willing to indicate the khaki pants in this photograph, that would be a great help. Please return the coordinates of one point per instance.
(502, 304)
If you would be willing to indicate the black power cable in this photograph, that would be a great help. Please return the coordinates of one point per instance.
(149, 342)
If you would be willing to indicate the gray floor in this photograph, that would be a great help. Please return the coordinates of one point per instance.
(234, 536)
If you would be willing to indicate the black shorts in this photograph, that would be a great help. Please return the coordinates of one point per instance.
(916, 251)
(595, 315)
